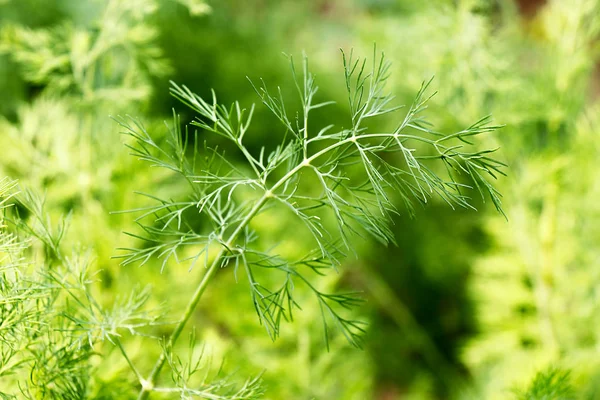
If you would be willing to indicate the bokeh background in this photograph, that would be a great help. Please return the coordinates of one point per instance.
(469, 305)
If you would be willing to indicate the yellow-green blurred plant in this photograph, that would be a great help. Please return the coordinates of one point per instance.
(46, 350)
(550, 384)
(56, 336)
(534, 291)
(537, 287)
(61, 143)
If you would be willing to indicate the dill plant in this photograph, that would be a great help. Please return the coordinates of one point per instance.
(360, 175)
(36, 331)
(56, 333)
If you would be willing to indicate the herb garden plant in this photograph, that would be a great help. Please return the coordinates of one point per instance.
(357, 170)
(337, 182)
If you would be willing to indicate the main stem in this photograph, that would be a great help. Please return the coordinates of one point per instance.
(148, 384)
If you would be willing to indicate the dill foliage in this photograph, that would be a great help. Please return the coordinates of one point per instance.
(61, 337)
(550, 384)
(361, 175)
(39, 330)
(54, 328)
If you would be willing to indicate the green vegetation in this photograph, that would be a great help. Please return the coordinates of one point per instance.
(152, 232)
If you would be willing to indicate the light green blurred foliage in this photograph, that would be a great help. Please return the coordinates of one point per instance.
(535, 291)
(45, 296)
(549, 384)
(63, 143)
(110, 58)
(537, 288)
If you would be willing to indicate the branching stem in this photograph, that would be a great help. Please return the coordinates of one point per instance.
(146, 389)
(367, 100)
(148, 384)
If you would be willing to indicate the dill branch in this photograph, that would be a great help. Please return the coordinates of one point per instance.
(361, 178)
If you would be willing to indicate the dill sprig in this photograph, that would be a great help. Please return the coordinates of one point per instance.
(401, 163)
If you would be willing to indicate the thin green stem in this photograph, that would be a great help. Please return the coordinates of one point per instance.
(117, 341)
(251, 160)
(305, 142)
(148, 384)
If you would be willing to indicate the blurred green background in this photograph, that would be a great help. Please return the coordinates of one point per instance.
(468, 306)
